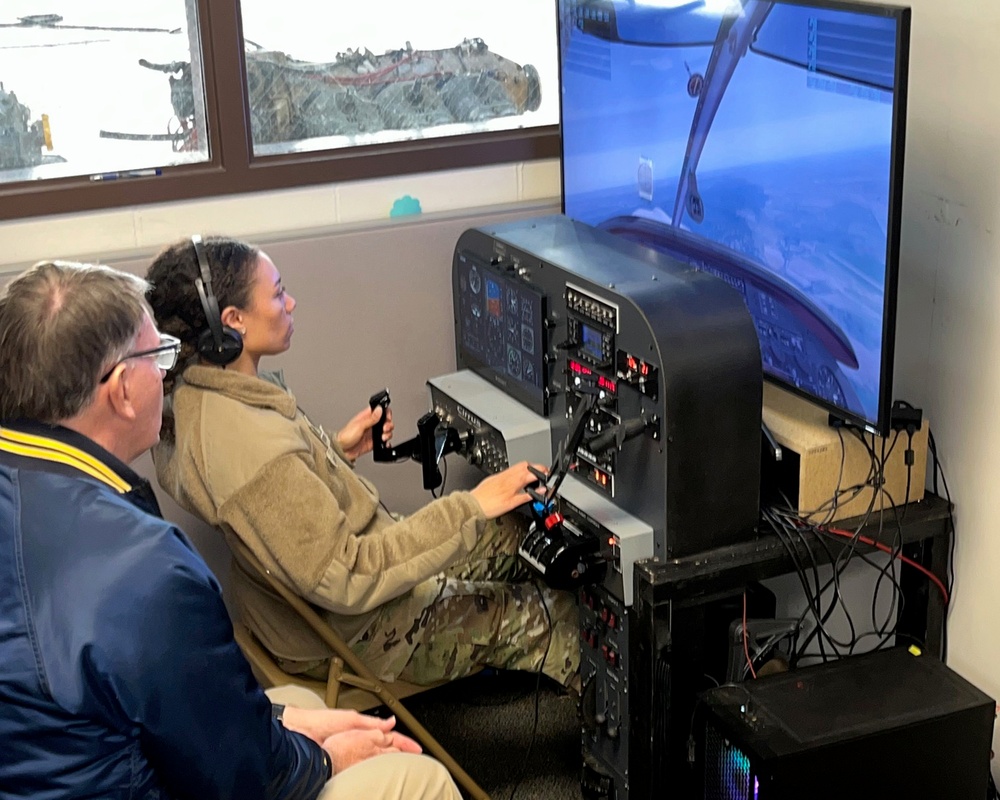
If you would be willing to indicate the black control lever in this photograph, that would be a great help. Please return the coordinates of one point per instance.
(565, 453)
(617, 435)
(381, 452)
(432, 442)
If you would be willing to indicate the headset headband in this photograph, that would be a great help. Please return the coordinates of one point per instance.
(208, 301)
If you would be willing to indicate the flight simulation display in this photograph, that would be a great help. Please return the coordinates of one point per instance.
(501, 328)
(761, 142)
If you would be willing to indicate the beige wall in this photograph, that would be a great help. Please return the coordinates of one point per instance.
(948, 332)
(375, 305)
(373, 310)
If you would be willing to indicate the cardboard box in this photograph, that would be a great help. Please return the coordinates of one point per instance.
(818, 459)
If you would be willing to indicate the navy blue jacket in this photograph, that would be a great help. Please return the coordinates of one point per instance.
(119, 675)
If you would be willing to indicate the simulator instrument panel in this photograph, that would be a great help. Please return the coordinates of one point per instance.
(638, 379)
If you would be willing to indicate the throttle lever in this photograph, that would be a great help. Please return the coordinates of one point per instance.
(538, 491)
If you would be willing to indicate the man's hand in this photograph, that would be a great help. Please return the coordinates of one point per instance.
(351, 747)
(320, 724)
(504, 491)
(356, 436)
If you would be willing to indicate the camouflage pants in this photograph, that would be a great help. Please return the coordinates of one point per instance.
(482, 611)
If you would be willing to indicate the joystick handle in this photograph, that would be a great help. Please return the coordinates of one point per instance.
(380, 451)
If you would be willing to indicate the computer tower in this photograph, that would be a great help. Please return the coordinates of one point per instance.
(888, 724)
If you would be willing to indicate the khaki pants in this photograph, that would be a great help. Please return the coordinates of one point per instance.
(393, 776)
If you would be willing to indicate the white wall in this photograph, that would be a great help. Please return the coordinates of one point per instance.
(141, 230)
(948, 328)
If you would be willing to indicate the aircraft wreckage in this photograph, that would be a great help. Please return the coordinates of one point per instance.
(290, 100)
(361, 92)
(21, 140)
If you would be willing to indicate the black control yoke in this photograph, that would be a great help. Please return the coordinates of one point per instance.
(432, 442)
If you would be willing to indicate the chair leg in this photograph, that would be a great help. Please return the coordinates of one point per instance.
(420, 733)
(361, 676)
(333, 679)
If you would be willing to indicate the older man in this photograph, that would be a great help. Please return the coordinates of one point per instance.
(119, 675)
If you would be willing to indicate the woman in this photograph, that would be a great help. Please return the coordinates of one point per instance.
(425, 598)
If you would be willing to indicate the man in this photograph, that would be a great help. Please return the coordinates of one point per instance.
(119, 675)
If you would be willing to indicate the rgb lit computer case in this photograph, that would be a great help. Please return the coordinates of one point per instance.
(881, 725)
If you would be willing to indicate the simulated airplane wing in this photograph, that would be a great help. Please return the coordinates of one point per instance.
(734, 37)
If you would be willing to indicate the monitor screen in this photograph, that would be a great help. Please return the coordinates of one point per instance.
(761, 142)
(500, 330)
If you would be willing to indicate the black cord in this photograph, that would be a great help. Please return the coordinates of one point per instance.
(538, 690)
(840, 563)
(882, 630)
(909, 468)
(874, 480)
(889, 569)
(791, 526)
(784, 538)
(788, 520)
(840, 477)
(836, 600)
(950, 569)
(444, 479)
(691, 742)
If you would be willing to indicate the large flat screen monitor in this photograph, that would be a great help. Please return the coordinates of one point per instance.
(762, 142)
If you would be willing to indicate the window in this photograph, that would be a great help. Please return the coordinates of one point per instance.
(88, 91)
(113, 102)
(318, 77)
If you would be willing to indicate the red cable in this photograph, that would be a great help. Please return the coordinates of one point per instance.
(886, 549)
(746, 645)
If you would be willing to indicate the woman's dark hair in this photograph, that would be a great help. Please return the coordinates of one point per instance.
(174, 296)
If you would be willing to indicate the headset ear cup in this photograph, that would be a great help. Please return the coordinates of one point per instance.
(224, 353)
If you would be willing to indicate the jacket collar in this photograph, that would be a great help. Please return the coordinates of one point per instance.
(57, 449)
(266, 391)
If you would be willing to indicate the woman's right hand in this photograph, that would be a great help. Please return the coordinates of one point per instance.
(504, 491)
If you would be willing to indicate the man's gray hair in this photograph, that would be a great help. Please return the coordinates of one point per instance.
(62, 326)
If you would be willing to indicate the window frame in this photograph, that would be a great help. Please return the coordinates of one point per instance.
(234, 169)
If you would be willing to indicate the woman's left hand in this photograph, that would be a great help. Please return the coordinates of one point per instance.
(356, 436)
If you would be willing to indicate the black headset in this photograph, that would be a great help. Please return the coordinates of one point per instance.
(220, 344)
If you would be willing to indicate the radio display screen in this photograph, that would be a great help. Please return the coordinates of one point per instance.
(592, 341)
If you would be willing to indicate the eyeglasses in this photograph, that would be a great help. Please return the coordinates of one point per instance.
(165, 354)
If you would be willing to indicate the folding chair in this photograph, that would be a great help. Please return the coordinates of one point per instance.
(361, 689)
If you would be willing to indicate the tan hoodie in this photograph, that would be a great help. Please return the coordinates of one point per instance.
(245, 459)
